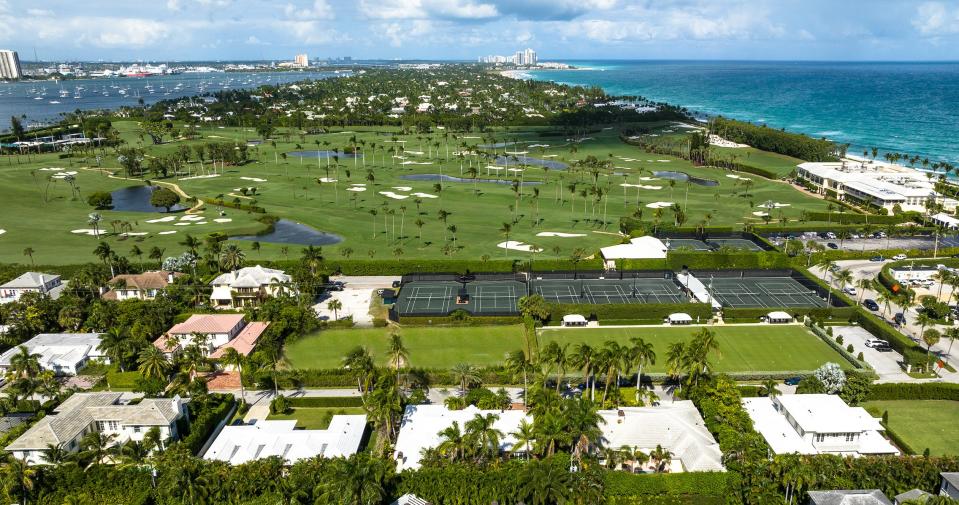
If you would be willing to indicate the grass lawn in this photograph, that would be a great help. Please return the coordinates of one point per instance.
(743, 348)
(310, 418)
(923, 423)
(288, 187)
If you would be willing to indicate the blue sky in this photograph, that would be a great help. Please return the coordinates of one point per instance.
(465, 29)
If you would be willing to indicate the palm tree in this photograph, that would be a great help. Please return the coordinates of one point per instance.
(525, 435)
(465, 375)
(452, 442)
(844, 278)
(97, 445)
(583, 357)
(360, 363)
(28, 251)
(770, 386)
(505, 230)
(115, 345)
(517, 364)
(952, 333)
(641, 353)
(335, 305)
(611, 357)
(232, 257)
(25, 364)
(153, 363)
(233, 358)
(312, 257)
(105, 253)
(397, 353)
(483, 436)
(930, 337)
(676, 359)
(19, 479)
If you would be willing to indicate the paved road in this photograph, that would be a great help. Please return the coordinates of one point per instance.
(873, 244)
(865, 269)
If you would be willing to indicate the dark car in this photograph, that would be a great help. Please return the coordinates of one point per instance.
(899, 318)
(883, 348)
(870, 304)
(792, 381)
(876, 258)
(832, 245)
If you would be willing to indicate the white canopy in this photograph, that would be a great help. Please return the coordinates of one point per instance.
(779, 316)
(574, 318)
(680, 317)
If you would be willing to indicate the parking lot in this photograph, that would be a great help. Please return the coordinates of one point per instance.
(886, 364)
(355, 297)
(874, 244)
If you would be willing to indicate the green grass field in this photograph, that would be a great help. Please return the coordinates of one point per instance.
(923, 423)
(743, 348)
(45, 212)
(310, 418)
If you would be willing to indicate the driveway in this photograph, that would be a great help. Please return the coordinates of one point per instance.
(357, 294)
(886, 364)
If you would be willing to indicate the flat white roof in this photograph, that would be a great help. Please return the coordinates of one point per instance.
(242, 443)
(946, 219)
(574, 318)
(646, 247)
(779, 315)
(823, 413)
(62, 349)
(680, 316)
(773, 426)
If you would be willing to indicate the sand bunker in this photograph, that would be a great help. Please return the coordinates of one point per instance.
(166, 219)
(664, 161)
(357, 184)
(356, 188)
(716, 140)
(254, 179)
(402, 188)
(86, 231)
(416, 163)
(199, 177)
(773, 205)
(223, 220)
(425, 195)
(171, 232)
(136, 233)
(390, 194)
(2, 231)
(414, 152)
(760, 214)
(559, 234)
(659, 205)
(518, 246)
(326, 179)
(182, 224)
(191, 217)
(734, 176)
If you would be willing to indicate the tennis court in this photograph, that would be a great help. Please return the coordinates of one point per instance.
(444, 297)
(734, 243)
(687, 243)
(759, 292)
(606, 291)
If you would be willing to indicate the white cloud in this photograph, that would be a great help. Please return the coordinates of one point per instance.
(253, 40)
(173, 5)
(320, 9)
(39, 13)
(935, 19)
(424, 9)
(399, 33)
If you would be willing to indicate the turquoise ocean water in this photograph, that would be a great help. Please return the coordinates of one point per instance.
(900, 107)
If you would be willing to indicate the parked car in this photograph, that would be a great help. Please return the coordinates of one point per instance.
(792, 381)
(830, 235)
(870, 304)
(899, 257)
(834, 267)
(875, 342)
(849, 290)
(876, 258)
(883, 348)
(832, 245)
(899, 318)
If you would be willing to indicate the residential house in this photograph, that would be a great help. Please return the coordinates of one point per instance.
(84, 413)
(219, 331)
(145, 286)
(61, 353)
(817, 424)
(848, 497)
(950, 485)
(239, 444)
(247, 286)
(36, 282)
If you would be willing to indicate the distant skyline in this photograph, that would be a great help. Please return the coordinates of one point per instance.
(877, 30)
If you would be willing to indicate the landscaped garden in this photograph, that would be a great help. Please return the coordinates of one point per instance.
(922, 424)
(313, 418)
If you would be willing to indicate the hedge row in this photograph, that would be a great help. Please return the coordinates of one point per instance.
(646, 311)
(205, 415)
(408, 266)
(231, 205)
(479, 320)
(915, 391)
(623, 484)
(320, 378)
(846, 218)
(752, 314)
(831, 342)
(326, 402)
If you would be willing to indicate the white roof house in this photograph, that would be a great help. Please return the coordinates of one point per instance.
(882, 184)
(48, 284)
(677, 427)
(421, 425)
(945, 220)
(61, 353)
(242, 443)
(247, 286)
(816, 424)
(646, 247)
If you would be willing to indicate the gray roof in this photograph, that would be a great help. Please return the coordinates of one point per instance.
(34, 280)
(951, 477)
(848, 497)
(80, 410)
(914, 494)
(251, 277)
(12, 420)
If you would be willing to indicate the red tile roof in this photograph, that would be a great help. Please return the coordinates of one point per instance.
(245, 341)
(207, 323)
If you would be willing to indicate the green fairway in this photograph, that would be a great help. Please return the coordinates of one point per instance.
(309, 418)
(922, 423)
(379, 226)
(743, 348)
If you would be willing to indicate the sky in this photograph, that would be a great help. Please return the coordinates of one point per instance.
(169, 30)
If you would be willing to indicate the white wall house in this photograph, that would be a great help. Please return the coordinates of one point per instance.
(817, 424)
(221, 331)
(247, 286)
(868, 182)
(83, 413)
(262, 439)
(61, 353)
(37, 282)
(145, 286)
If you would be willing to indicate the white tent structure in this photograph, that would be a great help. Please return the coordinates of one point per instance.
(574, 320)
(646, 247)
(778, 317)
(680, 318)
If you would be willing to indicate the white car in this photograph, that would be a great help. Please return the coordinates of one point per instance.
(849, 290)
(875, 342)
(899, 257)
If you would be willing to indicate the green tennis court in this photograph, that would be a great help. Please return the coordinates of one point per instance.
(605, 291)
(734, 243)
(444, 297)
(762, 292)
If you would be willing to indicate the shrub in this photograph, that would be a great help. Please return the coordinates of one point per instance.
(849, 348)
(279, 405)
(100, 199)
(326, 402)
(838, 339)
(206, 412)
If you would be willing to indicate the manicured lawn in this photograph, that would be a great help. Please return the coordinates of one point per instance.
(923, 423)
(289, 188)
(743, 348)
(309, 418)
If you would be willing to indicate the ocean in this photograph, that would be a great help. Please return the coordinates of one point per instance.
(45, 101)
(896, 107)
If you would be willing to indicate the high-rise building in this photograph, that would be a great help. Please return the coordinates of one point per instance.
(301, 60)
(10, 65)
(529, 57)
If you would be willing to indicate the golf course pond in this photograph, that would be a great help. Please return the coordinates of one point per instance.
(290, 232)
(683, 177)
(137, 199)
(450, 178)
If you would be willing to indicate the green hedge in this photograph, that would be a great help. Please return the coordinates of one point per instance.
(848, 218)
(326, 401)
(646, 311)
(477, 320)
(752, 314)
(408, 266)
(623, 484)
(339, 378)
(205, 414)
(764, 260)
(915, 391)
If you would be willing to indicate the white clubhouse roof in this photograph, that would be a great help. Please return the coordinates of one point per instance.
(421, 425)
(675, 426)
(646, 247)
(821, 413)
(242, 443)
(58, 349)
